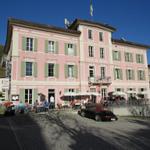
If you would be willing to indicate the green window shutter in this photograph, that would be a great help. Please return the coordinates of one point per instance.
(66, 71)
(46, 69)
(127, 74)
(119, 53)
(24, 43)
(56, 47)
(142, 59)
(114, 74)
(75, 50)
(66, 90)
(137, 58)
(23, 69)
(131, 56)
(138, 75)
(22, 95)
(35, 44)
(133, 76)
(75, 71)
(56, 70)
(121, 74)
(144, 75)
(77, 90)
(34, 95)
(66, 49)
(113, 55)
(35, 69)
(46, 46)
(125, 57)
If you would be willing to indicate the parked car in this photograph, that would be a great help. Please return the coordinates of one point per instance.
(96, 111)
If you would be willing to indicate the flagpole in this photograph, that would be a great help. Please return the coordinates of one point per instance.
(91, 10)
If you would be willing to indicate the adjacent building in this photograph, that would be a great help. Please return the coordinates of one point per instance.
(50, 60)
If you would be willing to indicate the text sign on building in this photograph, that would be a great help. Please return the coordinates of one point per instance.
(5, 84)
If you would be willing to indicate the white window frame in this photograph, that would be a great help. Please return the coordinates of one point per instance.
(70, 71)
(91, 71)
(29, 71)
(91, 51)
(139, 58)
(29, 44)
(118, 73)
(116, 55)
(51, 71)
(28, 95)
(90, 36)
(51, 46)
(141, 74)
(101, 36)
(70, 49)
(102, 55)
(103, 72)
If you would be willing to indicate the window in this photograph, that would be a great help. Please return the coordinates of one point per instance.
(70, 70)
(51, 46)
(28, 96)
(101, 52)
(116, 55)
(51, 70)
(101, 36)
(91, 51)
(128, 57)
(118, 73)
(70, 49)
(91, 71)
(130, 74)
(29, 66)
(29, 44)
(90, 34)
(141, 75)
(104, 92)
(102, 72)
(139, 58)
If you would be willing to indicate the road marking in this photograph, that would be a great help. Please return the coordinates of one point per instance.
(14, 133)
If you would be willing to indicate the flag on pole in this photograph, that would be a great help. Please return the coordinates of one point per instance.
(91, 8)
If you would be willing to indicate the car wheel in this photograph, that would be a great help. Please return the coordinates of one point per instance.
(83, 114)
(97, 117)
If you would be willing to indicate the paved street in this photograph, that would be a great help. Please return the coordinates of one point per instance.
(65, 130)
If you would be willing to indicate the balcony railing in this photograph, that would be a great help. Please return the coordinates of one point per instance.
(99, 80)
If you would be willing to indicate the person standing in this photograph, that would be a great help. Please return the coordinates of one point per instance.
(52, 102)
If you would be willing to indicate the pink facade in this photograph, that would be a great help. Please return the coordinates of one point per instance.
(100, 79)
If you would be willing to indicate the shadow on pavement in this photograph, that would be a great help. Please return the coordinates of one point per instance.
(139, 138)
(21, 133)
(80, 138)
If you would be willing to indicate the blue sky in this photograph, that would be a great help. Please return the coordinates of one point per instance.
(130, 17)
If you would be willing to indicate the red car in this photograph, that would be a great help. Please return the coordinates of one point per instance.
(96, 111)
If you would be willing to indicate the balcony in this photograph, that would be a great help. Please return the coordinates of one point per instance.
(99, 80)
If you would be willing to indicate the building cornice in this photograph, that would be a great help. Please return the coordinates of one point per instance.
(129, 43)
(78, 22)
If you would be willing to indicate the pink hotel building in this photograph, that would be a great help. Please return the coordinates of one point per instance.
(84, 57)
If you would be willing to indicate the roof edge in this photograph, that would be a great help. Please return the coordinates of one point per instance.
(76, 22)
(37, 26)
(125, 42)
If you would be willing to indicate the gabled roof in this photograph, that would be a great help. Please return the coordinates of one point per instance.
(77, 22)
(129, 43)
(32, 25)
